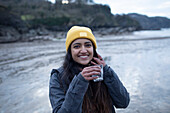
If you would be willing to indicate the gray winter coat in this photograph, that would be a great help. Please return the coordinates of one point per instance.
(71, 100)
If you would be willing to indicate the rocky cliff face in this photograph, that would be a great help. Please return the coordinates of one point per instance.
(38, 17)
(62, 16)
(151, 22)
(11, 26)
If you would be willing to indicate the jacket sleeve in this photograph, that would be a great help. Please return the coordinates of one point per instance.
(117, 91)
(71, 102)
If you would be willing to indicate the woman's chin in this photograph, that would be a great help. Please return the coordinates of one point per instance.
(84, 63)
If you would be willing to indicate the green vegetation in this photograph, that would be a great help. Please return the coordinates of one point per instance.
(50, 21)
(126, 21)
(27, 17)
(43, 13)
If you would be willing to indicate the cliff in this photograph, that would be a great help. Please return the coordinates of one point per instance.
(60, 16)
(21, 19)
(150, 23)
(11, 26)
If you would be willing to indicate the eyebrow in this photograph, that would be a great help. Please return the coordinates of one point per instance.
(80, 43)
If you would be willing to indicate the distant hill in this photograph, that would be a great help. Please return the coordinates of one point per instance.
(27, 18)
(60, 16)
(22, 19)
(150, 23)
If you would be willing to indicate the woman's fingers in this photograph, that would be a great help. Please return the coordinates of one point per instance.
(99, 57)
(99, 60)
(91, 70)
(91, 73)
(91, 78)
(87, 72)
(93, 63)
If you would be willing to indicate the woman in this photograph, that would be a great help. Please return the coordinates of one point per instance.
(72, 88)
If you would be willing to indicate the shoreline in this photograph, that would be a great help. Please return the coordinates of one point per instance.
(45, 35)
(11, 35)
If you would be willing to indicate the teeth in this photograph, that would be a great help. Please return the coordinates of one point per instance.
(83, 56)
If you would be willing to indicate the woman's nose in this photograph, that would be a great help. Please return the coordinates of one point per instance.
(83, 50)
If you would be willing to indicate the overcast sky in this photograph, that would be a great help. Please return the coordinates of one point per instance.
(146, 7)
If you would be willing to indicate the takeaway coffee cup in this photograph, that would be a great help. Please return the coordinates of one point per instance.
(100, 76)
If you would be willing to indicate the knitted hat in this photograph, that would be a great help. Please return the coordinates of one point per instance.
(77, 32)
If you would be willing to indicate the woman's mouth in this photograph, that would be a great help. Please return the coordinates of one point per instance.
(83, 56)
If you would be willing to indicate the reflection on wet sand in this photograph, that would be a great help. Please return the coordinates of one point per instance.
(142, 65)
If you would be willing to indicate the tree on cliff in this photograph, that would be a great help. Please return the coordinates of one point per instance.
(76, 1)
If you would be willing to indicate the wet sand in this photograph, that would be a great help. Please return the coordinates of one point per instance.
(141, 61)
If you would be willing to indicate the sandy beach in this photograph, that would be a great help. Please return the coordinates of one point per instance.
(141, 60)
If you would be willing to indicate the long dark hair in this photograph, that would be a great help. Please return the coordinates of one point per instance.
(97, 98)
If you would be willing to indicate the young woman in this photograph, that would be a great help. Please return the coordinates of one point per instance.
(72, 88)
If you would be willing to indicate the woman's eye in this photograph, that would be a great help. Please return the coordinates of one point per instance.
(88, 45)
(76, 46)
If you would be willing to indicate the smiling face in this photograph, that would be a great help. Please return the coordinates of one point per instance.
(82, 51)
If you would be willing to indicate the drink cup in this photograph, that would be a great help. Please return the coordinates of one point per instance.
(100, 76)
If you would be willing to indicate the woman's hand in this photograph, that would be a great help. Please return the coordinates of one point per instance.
(87, 72)
(99, 61)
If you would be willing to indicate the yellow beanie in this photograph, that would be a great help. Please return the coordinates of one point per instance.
(77, 32)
